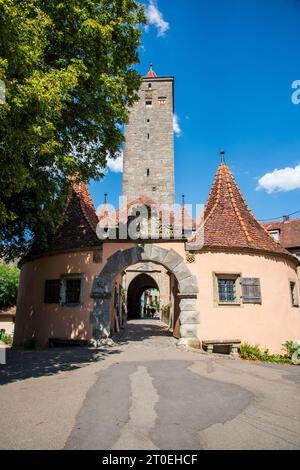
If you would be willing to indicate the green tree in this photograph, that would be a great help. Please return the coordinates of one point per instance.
(67, 68)
(9, 282)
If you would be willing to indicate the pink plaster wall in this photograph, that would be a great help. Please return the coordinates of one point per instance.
(35, 319)
(269, 324)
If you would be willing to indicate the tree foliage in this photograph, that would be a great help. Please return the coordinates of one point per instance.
(67, 69)
(9, 282)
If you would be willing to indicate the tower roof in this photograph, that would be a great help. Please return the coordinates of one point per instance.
(79, 228)
(151, 73)
(228, 221)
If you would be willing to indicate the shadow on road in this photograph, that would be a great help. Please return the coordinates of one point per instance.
(143, 329)
(21, 365)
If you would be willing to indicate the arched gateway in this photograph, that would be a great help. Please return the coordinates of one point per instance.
(170, 259)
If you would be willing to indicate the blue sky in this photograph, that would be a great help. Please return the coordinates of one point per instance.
(234, 63)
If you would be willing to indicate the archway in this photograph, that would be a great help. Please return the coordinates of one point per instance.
(138, 285)
(170, 259)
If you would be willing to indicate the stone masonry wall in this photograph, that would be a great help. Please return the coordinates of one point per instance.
(149, 143)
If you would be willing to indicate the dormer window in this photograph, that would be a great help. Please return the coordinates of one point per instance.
(275, 234)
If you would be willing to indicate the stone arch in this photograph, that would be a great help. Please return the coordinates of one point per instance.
(122, 259)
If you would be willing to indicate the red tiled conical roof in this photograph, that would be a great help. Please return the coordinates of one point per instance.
(151, 73)
(228, 221)
(79, 228)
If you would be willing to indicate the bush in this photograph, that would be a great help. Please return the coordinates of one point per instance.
(8, 340)
(254, 353)
(9, 281)
(290, 347)
(247, 351)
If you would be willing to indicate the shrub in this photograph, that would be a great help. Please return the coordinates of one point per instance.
(247, 351)
(254, 353)
(8, 340)
(9, 281)
(290, 347)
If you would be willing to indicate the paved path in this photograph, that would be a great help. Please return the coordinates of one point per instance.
(146, 394)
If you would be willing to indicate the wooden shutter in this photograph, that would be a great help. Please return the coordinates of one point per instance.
(251, 292)
(52, 291)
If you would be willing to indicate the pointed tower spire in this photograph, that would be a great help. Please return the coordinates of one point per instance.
(79, 227)
(228, 221)
(151, 73)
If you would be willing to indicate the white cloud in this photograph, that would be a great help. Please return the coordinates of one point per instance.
(285, 179)
(176, 125)
(155, 18)
(115, 164)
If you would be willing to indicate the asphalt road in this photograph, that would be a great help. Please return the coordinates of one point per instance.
(145, 394)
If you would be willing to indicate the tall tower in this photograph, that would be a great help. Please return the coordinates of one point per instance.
(149, 142)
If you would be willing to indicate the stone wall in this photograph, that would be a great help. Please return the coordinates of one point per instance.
(149, 143)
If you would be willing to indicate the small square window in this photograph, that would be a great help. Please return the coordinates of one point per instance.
(72, 289)
(148, 103)
(228, 289)
(294, 294)
(97, 256)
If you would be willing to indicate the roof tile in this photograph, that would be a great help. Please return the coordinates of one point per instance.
(228, 221)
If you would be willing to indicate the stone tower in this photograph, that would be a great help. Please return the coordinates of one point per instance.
(149, 142)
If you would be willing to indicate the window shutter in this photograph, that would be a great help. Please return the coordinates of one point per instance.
(52, 291)
(251, 292)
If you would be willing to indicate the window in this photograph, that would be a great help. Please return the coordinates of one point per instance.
(148, 172)
(149, 85)
(148, 136)
(275, 234)
(72, 289)
(251, 291)
(162, 100)
(148, 103)
(148, 120)
(153, 188)
(52, 291)
(297, 254)
(227, 289)
(294, 294)
(97, 256)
